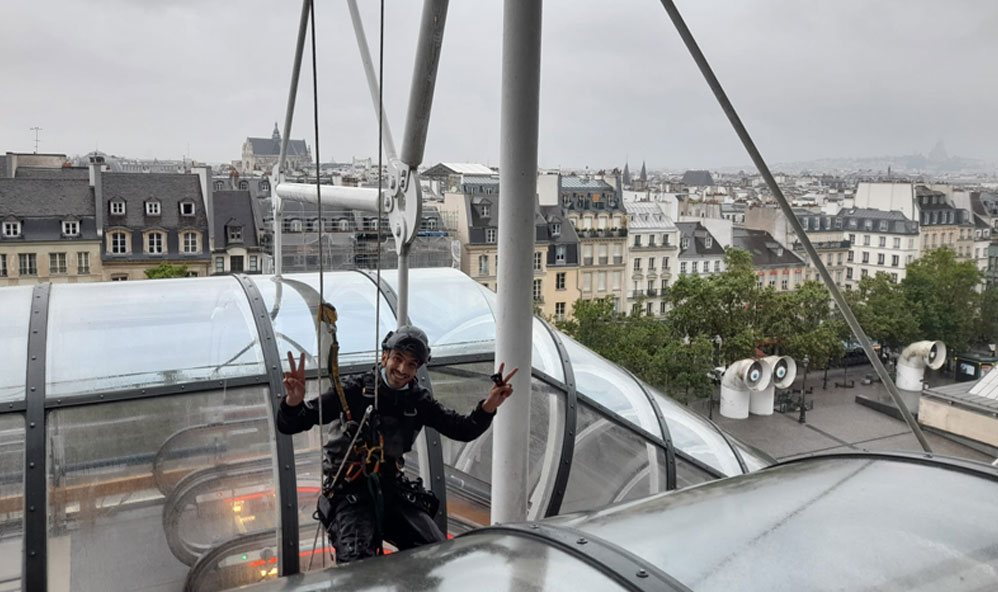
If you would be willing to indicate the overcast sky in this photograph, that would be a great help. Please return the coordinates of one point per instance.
(810, 78)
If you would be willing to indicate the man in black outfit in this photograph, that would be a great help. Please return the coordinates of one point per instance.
(366, 498)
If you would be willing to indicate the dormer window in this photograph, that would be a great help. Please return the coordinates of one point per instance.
(244, 185)
(684, 243)
(152, 208)
(186, 208)
(118, 207)
(264, 186)
(234, 233)
(12, 229)
(485, 210)
(708, 242)
(219, 185)
(566, 201)
(490, 235)
(70, 228)
(556, 229)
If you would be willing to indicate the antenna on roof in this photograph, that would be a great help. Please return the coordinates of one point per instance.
(36, 129)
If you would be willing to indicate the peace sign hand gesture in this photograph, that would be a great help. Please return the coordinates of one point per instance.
(294, 381)
(501, 390)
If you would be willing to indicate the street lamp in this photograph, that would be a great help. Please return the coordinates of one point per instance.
(803, 392)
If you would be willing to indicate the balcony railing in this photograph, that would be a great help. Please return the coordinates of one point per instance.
(603, 260)
(587, 260)
(652, 293)
(618, 259)
(637, 294)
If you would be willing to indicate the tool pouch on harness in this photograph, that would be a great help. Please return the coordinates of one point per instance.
(417, 495)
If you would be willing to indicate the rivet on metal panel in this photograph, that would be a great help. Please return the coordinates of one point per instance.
(32, 389)
(287, 467)
(642, 573)
(32, 424)
(31, 465)
(101, 396)
(31, 508)
(34, 332)
(31, 553)
(58, 401)
(34, 357)
(534, 526)
(582, 541)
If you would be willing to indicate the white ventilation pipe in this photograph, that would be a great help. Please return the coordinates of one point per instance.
(783, 372)
(913, 360)
(740, 379)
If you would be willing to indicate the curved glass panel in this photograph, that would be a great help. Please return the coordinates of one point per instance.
(696, 436)
(485, 561)
(544, 355)
(15, 303)
(610, 464)
(469, 464)
(125, 335)
(110, 526)
(450, 307)
(351, 293)
(820, 524)
(603, 382)
(11, 501)
(754, 458)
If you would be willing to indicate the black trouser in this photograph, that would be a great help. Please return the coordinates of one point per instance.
(353, 524)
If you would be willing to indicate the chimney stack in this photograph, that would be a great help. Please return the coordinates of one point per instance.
(97, 184)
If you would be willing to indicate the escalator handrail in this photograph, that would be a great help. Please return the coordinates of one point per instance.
(209, 559)
(161, 454)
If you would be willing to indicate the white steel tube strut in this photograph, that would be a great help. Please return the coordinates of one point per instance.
(337, 196)
(520, 99)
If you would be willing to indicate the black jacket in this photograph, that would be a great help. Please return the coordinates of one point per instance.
(400, 416)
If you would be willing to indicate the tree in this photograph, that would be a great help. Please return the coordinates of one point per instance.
(166, 270)
(943, 294)
(987, 325)
(884, 312)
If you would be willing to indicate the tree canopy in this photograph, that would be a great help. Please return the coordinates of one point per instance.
(166, 270)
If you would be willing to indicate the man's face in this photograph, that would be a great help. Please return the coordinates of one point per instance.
(400, 367)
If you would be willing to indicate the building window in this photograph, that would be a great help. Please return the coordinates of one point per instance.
(717, 265)
(538, 293)
(850, 256)
(538, 262)
(57, 263)
(83, 263)
(155, 244)
(866, 240)
(696, 265)
(559, 254)
(682, 267)
(556, 229)
(483, 265)
(119, 243)
(895, 259)
(254, 264)
(152, 208)
(637, 264)
(863, 273)
(244, 185)
(651, 264)
(219, 264)
(883, 242)
(665, 263)
(894, 278)
(3, 265)
(486, 210)
(684, 243)
(559, 310)
(187, 208)
(866, 256)
(559, 280)
(70, 228)
(27, 264)
(880, 258)
(601, 281)
(235, 233)
(490, 235)
(587, 282)
(191, 242)
(852, 238)
(119, 277)
(784, 284)
(848, 273)
(661, 307)
(708, 242)
(264, 186)
(637, 240)
(219, 185)
(12, 229)
(117, 208)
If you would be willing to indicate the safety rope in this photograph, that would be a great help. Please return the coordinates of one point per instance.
(381, 201)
